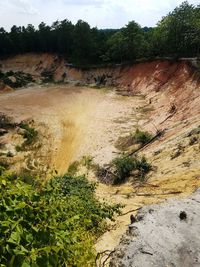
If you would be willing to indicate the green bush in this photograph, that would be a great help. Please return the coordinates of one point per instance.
(1, 74)
(9, 154)
(3, 165)
(30, 134)
(73, 168)
(18, 148)
(5, 122)
(51, 225)
(143, 167)
(141, 137)
(124, 165)
(21, 78)
(87, 161)
(47, 75)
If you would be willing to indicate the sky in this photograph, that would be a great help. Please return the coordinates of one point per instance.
(98, 13)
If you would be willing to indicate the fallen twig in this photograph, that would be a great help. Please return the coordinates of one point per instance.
(159, 134)
(159, 194)
(103, 253)
(146, 252)
(145, 185)
(98, 256)
(168, 117)
(195, 200)
(130, 211)
(104, 262)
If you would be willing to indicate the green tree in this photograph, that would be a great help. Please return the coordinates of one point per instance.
(82, 42)
(133, 38)
(63, 35)
(6, 43)
(44, 37)
(116, 47)
(178, 32)
(127, 44)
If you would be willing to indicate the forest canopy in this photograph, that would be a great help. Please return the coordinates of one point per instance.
(176, 35)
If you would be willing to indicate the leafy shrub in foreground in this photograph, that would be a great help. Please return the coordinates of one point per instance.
(55, 225)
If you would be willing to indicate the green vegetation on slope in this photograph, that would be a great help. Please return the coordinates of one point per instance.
(54, 224)
(30, 134)
(141, 137)
(137, 138)
(16, 79)
(176, 35)
(125, 166)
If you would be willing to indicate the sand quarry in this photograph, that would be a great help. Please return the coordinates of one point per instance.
(76, 121)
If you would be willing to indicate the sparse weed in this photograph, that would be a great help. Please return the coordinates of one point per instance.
(47, 76)
(193, 140)
(179, 150)
(18, 148)
(73, 168)
(5, 122)
(30, 134)
(4, 164)
(9, 154)
(138, 138)
(87, 161)
(141, 137)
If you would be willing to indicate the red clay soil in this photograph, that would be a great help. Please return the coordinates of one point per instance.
(5, 88)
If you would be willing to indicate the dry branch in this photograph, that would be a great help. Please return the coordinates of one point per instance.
(158, 135)
(168, 117)
(159, 194)
(103, 254)
(130, 211)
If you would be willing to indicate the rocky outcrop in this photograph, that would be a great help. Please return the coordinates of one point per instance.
(164, 235)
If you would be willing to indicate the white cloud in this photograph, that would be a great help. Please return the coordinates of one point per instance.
(95, 3)
(100, 13)
(19, 6)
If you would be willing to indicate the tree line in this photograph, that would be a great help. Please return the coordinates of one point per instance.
(176, 35)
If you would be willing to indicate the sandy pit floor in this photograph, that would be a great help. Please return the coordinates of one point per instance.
(80, 121)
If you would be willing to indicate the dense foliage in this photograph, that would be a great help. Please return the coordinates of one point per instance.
(50, 225)
(176, 35)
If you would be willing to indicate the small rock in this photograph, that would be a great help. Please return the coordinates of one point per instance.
(3, 131)
(132, 218)
(183, 215)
